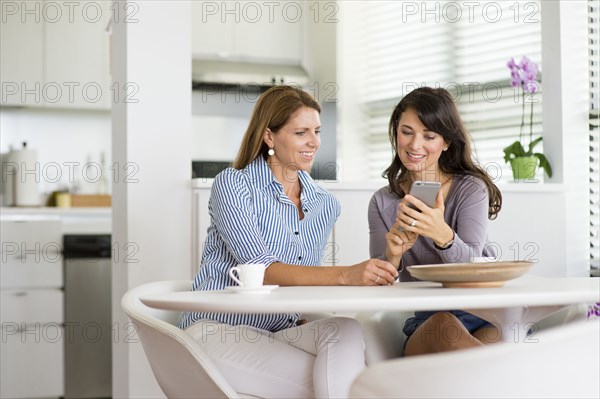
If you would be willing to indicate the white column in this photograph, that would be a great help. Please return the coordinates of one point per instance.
(151, 138)
(351, 127)
(565, 121)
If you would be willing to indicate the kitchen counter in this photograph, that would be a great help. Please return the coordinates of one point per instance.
(327, 184)
(82, 220)
(50, 210)
(520, 187)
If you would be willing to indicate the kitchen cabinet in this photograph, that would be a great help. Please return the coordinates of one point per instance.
(77, 57)
(248, 31)
(210, 37)
(31, 309)
(55, 302)
(21, 56)
(56, 55)
(32, 362)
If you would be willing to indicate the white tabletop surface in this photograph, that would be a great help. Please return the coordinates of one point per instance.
(526, 291)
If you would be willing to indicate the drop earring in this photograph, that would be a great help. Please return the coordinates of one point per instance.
(271, 152)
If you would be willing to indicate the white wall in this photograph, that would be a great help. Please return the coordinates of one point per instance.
(216, 138)
(60, 137)
(351, 142)
(566, 129)
(151, 217)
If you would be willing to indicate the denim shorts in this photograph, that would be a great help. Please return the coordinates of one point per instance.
(471, 322)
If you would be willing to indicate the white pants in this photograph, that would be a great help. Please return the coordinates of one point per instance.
(317, 359)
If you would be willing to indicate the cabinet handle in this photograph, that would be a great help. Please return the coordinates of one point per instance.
(20, 293)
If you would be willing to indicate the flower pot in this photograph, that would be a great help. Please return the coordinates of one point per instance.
(524, 168)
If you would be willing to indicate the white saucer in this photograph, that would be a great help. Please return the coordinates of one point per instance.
(263, 289)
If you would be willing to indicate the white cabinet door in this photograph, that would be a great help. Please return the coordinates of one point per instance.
(275, 37)
(211, 38)
(32, 361)
(32, 306)
(55, 54)
(30, 236)
(31, 309)
(42, 269)
(32, 344)
(269, 32)
(21, 53)
(77, 58)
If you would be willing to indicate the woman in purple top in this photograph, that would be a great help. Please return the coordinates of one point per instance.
(430, 143)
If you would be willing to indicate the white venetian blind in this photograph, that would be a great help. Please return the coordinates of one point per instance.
(493, 112)
(400, 51)
(594, 44)
(463, 46)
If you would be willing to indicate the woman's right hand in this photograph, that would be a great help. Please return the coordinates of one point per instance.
(398, 242)
(370, 272)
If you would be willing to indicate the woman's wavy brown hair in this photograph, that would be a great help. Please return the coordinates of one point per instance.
(437, 111)
(272, 111)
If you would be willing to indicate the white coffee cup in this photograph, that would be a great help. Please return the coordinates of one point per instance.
(251, 275)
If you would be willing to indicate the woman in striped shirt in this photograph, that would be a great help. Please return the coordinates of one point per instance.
(266, 209)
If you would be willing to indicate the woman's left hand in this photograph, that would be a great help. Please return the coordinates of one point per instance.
(429, 222)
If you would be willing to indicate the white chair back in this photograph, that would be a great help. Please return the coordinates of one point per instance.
(560, 362)
(178, 363)
(384, 339)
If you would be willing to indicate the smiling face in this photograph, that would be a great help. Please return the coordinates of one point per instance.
(419, 148)
(297, 142)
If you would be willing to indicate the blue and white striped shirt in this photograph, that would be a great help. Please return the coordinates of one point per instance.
(253, 221)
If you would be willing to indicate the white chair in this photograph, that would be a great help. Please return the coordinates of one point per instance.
(384, 339)
(566, 315)
(563, 363)
(178, 363)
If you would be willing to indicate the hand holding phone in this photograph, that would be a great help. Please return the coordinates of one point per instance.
(425, 191)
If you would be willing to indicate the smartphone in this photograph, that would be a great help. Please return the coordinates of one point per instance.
(425, 191)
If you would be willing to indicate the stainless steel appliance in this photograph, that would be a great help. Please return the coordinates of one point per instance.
(88, 351)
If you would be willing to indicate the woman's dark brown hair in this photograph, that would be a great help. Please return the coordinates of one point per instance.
(272, 111)
(437, 111)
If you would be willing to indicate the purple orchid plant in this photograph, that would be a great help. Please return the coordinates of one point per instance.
(524, 76)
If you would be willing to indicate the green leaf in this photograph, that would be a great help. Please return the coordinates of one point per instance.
(533, 144)
(515, 149)
(544, 163)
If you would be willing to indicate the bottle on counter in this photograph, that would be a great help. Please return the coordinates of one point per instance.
(103, 182)
(27, 178)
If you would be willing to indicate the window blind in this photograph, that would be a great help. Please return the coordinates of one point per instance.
(492, 114)
(594, 63)
(398, 52)
(455, 45)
